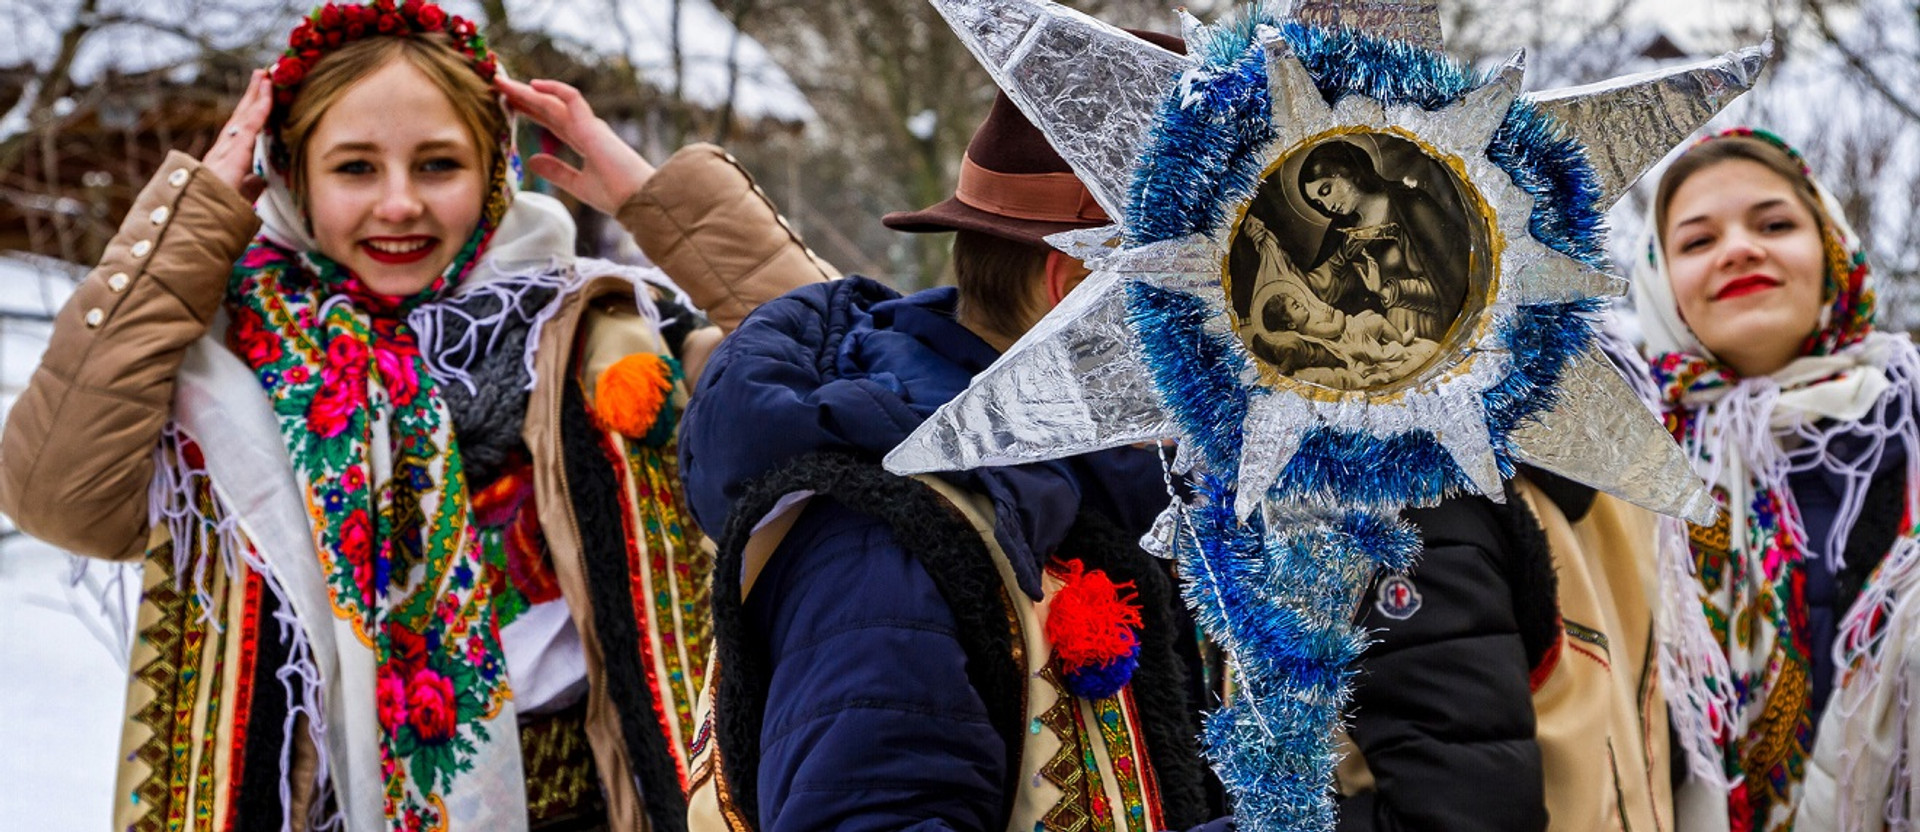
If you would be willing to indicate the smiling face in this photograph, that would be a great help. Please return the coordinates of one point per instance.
(394, 180)
(1747, 262)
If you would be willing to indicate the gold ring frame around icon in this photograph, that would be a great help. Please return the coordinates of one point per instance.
(1376, 356)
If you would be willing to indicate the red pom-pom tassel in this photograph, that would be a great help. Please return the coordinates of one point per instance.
(1089, 621)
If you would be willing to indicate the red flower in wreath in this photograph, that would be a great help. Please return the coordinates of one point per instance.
(305, 37)
(289, 71)
(336, 24)
(430, 707)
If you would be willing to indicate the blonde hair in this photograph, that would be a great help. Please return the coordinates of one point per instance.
(435, 57)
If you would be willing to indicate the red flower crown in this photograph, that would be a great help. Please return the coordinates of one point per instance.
(336, 24)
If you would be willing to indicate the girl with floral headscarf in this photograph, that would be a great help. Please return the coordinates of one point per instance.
(1786, 625)
(400, 465)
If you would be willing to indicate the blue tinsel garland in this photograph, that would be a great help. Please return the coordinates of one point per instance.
(1190, 367)
(1282, 602)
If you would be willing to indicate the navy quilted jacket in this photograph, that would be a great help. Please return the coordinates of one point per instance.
(871, 722)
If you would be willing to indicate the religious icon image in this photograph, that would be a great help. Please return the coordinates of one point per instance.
(1353, 262)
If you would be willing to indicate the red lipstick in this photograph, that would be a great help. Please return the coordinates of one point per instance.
(1743, 286)
(410, 249)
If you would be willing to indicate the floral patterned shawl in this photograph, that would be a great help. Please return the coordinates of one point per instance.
(371, 445)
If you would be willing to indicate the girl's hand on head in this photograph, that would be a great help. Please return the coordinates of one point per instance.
(611, 171)
(231, 157)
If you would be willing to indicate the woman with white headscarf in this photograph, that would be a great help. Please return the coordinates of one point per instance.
(1786, 626)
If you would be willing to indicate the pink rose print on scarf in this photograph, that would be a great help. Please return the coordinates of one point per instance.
(356, 545)
(342, 388)
(397, 371)
(328, 414)
(430, 707)
(391, 699)
(259, 257)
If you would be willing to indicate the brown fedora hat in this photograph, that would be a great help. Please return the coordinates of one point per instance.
(1013, 184)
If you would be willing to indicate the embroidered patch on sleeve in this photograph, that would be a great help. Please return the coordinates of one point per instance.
(1396, 598)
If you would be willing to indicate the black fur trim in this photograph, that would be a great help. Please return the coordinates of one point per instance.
(595, 491)
(930, 530)
(259, 798)
(1531, 579)
(1168, 717)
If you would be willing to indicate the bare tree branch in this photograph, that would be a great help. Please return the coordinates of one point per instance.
(1817, 9)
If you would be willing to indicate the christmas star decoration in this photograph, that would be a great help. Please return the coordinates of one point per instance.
(1305, 438)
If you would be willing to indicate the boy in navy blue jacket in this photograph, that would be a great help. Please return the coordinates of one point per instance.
(882, 663)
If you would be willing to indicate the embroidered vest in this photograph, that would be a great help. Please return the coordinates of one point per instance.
(1126, 763)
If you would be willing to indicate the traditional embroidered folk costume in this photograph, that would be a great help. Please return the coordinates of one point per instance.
(1786, 630)
(414, 562)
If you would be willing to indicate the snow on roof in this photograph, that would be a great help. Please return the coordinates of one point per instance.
(14, 121)
(143, 35)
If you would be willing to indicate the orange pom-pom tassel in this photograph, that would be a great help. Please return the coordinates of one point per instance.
(1089, 622)
(632, 392)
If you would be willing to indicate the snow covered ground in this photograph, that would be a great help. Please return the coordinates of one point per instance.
(62, 688)
(63, 634)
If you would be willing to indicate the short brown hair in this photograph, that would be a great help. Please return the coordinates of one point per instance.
(1728, 149)
(996, 277)
(433, 54)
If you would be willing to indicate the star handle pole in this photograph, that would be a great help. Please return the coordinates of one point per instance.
(1279, 593)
